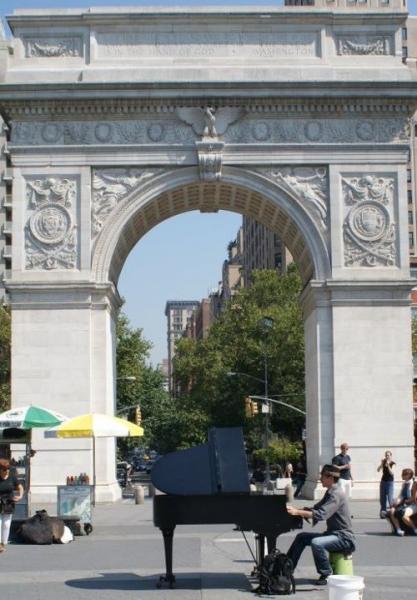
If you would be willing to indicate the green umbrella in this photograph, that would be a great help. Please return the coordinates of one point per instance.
(28, 417)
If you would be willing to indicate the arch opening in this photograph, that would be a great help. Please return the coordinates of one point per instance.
(264, 202)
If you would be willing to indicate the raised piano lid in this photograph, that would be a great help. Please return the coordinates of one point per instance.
(217, 467)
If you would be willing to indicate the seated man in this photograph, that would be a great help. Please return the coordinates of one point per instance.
(405, 506)
(338, 537)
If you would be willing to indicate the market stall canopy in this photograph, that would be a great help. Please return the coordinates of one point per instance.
(29, 417)
(95, 425)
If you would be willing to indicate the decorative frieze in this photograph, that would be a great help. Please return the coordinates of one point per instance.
(54, 47)
(51, 229)
(229, 123)
(206, 44)
(369, 226)
(308, 184)
(110, 187)
(210, 122)
(362, 45)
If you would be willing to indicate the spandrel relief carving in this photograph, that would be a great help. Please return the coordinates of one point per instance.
(308, 184)
(110, 187)
(369, 230)
(51, 230)
(229, 124)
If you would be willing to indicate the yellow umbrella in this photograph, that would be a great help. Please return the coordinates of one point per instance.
(95, 425)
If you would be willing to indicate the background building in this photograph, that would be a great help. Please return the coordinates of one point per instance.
(178, 314)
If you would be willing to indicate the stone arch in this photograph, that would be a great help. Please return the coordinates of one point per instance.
(239, 190)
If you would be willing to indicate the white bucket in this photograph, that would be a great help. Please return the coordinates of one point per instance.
(345, 587)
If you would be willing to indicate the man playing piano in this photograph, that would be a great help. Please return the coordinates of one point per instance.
(338, 537)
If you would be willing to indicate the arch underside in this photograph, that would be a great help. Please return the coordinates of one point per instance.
(211, 197)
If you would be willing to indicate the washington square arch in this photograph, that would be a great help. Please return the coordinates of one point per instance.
(114, 120)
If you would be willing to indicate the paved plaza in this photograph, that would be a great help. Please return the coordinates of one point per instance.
(123, 558)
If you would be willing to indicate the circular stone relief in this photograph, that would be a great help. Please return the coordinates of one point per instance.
(103, 132)
(365, 130)
(369, 221)
(313, 131)
(51, 133)
(50, 224)
(261, 131)
(156, 132)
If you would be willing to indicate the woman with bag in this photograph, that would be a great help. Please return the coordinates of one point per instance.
(11, 491)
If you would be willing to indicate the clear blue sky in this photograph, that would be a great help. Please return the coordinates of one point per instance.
(181, 258)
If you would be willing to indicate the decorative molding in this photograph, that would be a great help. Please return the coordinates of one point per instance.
(208, 121)
(210, 157)
(362, 45)
(110, 187)
(308, 184)
(250, 129)
(212, 44)
(54, 47)
(369, 228)
(50, 232)
(155, 108)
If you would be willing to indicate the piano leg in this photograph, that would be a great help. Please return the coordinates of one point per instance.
(169, 577)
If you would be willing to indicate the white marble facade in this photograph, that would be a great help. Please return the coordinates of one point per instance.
(302, 122)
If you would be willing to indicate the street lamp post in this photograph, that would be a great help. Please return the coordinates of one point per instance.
(266, 324)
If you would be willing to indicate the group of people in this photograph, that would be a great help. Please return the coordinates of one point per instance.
(402, 508)
(333, 508)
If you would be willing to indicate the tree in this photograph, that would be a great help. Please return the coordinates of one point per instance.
(237, 342)
(5, 341)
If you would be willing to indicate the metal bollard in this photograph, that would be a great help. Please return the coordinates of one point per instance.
(139, 494)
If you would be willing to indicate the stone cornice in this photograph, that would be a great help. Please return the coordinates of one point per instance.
(125, 108)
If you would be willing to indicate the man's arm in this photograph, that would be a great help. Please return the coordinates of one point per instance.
(299, 512)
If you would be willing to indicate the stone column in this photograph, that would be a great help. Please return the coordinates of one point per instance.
(63, 358)
(358, 378)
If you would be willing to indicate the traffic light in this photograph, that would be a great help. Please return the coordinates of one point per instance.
(255, 408)
(248, 408)
(138, 415)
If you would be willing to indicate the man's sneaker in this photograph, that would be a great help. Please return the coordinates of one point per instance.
(322, 580)
(399, 532)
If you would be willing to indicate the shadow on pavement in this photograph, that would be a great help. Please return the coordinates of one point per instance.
(184, 581)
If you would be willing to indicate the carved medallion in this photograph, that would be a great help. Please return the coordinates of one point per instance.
(50, 237)
(261, 131)
(369, 228)
(50, 224)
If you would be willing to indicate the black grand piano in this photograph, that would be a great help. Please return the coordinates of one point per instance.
(209, 484)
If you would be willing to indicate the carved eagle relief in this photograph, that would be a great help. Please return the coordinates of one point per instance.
(208, 121)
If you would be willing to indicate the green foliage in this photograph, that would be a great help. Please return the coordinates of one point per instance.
(279, 452)
(238, 341)
(5, 341)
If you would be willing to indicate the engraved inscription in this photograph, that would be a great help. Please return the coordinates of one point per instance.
(202, 44)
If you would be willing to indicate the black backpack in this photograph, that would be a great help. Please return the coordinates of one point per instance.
(276, 575)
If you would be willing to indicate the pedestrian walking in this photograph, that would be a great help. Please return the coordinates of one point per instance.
(342, 462)
(386, 485)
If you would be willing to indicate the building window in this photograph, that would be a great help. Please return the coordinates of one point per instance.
(411, 239)
(408, 174)
(410, 196)
(410, 217)
(404, 32)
